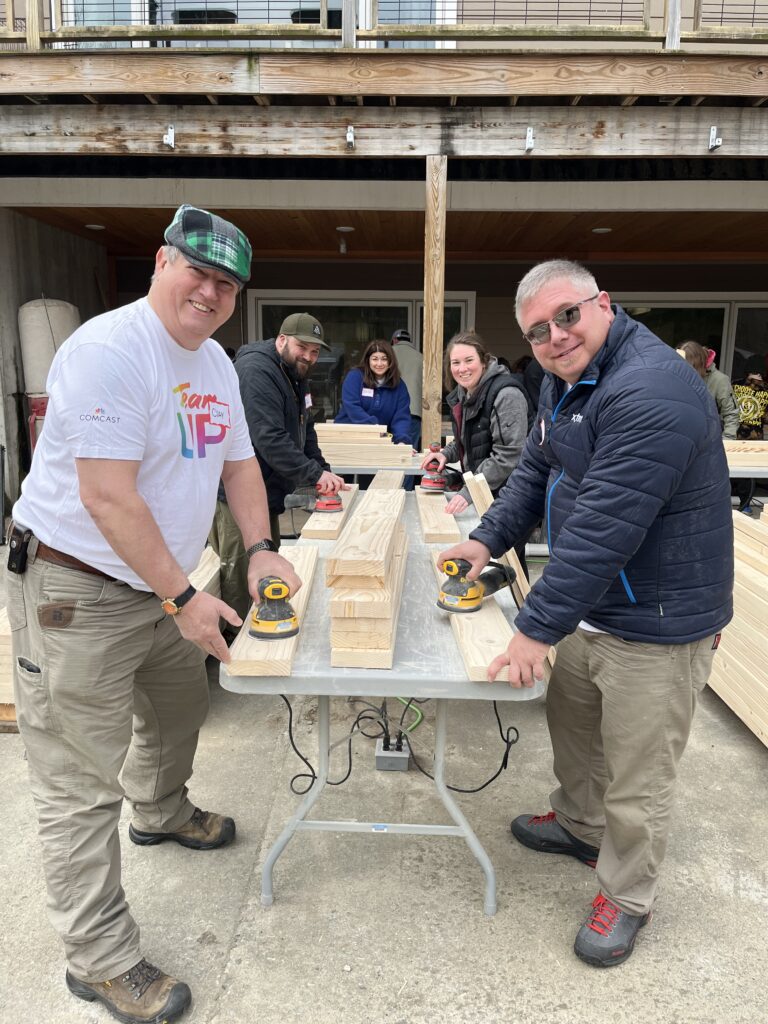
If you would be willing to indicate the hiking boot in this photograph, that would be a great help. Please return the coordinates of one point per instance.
(608, 935)
(543, 832)
(143, 995)
(204, 831)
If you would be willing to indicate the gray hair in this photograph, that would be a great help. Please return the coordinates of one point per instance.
(171, 254)
(545, 273)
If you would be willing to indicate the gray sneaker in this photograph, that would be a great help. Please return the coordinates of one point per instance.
(608, 935)
(143, 995)
(544, 833)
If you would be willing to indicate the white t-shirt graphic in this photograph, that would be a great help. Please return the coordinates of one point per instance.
(122, 388)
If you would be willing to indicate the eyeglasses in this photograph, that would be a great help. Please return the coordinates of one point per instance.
(566, 318)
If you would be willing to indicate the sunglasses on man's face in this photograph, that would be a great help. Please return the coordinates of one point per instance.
(566, 318)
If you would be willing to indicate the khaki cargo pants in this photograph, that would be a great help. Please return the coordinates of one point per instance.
(105, 684)
(619, 715)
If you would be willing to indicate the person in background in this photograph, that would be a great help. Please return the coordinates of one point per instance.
(274, 385)
(627, 453)
(717, 383)
(410, 362)
(374, 392)
(490, 411)
(109, 637)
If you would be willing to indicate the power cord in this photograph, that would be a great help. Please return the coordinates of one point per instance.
(379, 716)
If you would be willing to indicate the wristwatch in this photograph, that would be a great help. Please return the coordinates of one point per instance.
(262, 545)
(173, 605)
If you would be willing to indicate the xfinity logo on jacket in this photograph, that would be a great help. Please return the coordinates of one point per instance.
(577, 417)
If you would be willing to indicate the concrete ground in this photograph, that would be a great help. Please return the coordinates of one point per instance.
(391, 928)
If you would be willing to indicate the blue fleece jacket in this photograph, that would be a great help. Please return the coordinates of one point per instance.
(388, 406)
(631, 466)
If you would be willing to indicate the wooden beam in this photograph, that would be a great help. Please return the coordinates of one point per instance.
(207, 574)
(386, 480)
(434, 296)
(34, 23)
(378, 73)
(253, 657)
(328, 525)
(607, 132)
(437, 526)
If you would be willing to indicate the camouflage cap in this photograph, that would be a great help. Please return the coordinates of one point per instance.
(304, 327)
(210, 242)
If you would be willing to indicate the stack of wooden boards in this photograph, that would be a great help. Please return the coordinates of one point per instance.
(746, 454)
(740, 667)
(365, 571)
(360, 446)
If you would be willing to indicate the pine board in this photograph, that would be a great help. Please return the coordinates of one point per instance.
(437, 526)
(350, 431)
(345, 657)
(366, 455)
(358, 603)
(754, 528)
(206, 575)
(252, 657)
(480, 635)
(382, 502)
(482, 499)
(386, 480)
(328, 525)
(376, 634)
(364, 548)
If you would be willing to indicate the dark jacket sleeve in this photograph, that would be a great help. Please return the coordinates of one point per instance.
(312, 448)
(351, 406)
(265, 412)
(401, 418)
(647, 435)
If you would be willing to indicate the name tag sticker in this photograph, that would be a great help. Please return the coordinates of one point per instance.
(219, 413)
(308, 400)
(367, 392)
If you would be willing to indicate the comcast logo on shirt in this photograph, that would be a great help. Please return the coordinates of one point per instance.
(202, 419)
(99, 415)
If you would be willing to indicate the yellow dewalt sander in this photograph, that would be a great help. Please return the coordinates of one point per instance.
(458, 594)
(273, 618)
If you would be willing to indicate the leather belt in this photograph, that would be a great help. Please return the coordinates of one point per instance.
(49, 554)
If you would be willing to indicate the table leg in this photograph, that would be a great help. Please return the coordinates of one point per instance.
(323, 741)
(453, 809)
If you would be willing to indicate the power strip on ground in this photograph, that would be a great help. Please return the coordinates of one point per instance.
(392, 760)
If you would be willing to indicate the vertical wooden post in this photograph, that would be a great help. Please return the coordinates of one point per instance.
(348, 23)
(434, 296)
(33, 23)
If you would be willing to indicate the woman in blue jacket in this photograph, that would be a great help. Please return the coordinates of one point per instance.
(373, 392)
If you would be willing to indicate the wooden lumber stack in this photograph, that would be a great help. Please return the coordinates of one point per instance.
(360, 445)
(328, 525)
(740, 667)
(250, 656)
(746, 454)
(365, 571)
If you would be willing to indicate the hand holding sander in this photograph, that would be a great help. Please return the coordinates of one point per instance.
(273, 618)
(458, 594)
(440, 480)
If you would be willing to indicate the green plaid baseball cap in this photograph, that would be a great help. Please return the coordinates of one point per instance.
(210, 242)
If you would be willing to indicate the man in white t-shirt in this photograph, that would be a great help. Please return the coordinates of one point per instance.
(109, 636)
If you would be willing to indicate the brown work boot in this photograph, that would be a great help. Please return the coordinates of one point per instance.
(204, 831)
(143, 995)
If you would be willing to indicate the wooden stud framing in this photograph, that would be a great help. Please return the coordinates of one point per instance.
(252, 657)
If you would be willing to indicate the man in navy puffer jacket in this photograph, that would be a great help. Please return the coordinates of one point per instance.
(627, 457)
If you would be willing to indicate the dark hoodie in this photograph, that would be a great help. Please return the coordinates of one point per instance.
(279, 421)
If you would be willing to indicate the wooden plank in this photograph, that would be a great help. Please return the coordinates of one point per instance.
(434, 294)
(207, 574)
(176, 71)
(746, 555)
(437, 526)
(376, 634)
(364, 548)
(328, 525)
(755, 528)
(253, 657)
(360, 603)
(6, 660)
(366, 456)
(732, 694)
(480, 636)
(350, 431)
(345, 657)
(482, 499)
(386, 480)
(8, 718)
(385, 502)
